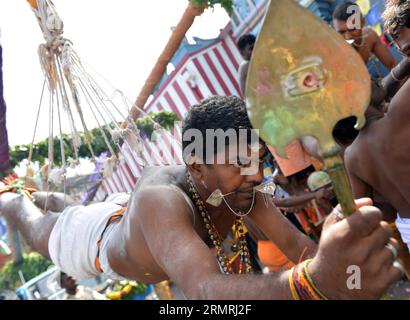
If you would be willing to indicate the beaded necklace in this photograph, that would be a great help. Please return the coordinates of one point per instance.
(216, 239)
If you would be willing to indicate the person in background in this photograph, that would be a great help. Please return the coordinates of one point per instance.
(350, 23)
(245, 45)
(75, 292)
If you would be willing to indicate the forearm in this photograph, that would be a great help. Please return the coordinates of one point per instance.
(295, 201)
(392, 82)
(243, 287)
(55, 202)
(307, 248)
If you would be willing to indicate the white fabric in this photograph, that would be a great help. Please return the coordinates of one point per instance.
(105, 265)
(73, 240)
(403, 225)
(119, 198)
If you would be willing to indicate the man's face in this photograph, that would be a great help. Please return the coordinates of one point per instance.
(241, 173)
(247, 51)
(403, 42)
(349, 32)
(68, 283)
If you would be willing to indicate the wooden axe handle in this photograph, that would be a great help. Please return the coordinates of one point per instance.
(336, 170)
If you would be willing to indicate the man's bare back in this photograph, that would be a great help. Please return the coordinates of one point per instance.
(379, 158)
(161, 184)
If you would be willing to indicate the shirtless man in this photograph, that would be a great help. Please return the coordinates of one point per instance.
(245, 45)
(379, 158)
(363, 39)
(164, 234)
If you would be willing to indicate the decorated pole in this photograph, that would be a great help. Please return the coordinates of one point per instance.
(303, 79)
(194, 9)
(174, 42)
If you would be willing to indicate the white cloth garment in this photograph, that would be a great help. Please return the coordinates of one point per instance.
(119, 198)
(403, 225)
(73, 240)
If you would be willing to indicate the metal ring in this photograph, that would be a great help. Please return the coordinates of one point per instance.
(393, 250)
(398, 265)
(338, 214)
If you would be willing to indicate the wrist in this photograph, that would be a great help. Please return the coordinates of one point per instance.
(319, 278)
(401, 71)
(394, 76)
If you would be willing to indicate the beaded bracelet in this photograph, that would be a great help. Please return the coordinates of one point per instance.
(302, 286)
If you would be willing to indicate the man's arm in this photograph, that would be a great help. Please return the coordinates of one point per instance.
(394, 80)
(191, 265)
(185, 258)
(300, 199)
(281, 231)
(55, 201)
(399, 110)
(381, 52)
(243, 75)
(360, 188)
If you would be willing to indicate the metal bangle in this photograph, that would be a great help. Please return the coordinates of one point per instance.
(393, 76)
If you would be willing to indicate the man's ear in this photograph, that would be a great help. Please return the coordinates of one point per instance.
(195, 166)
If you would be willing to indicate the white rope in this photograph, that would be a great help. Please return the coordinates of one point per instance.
(132, 139)
(96, 119)
(30, 154)
(125, 99)
(50, 23)
(50, 148)
(75, 138)
(63, 160)
(62, 66)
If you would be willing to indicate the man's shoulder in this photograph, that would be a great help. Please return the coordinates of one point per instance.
(162, 195)
(371, 34)
(244, 65)
(351, 155)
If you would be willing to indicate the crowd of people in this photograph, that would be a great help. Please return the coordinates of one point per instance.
(275, 232)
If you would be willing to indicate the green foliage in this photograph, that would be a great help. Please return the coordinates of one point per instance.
(226, 4)
(40, 149)
(33, 265)
(164, 118)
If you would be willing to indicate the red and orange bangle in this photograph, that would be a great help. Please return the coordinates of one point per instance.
(301, 284)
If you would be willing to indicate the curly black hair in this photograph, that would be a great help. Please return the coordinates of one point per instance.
(244, 40)
(396, 16)
(342, 12)
(216, 113)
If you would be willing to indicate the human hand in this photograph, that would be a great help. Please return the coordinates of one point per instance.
(337, 215)
(353, 261)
